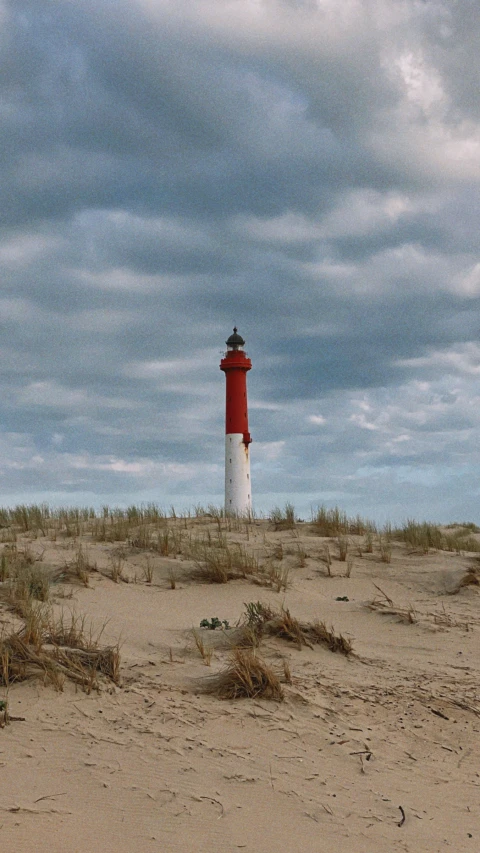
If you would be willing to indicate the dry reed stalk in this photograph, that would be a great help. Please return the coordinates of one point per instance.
(386, 607)
(287, 673)
(205, 651)
(328, 561)
(444, 618)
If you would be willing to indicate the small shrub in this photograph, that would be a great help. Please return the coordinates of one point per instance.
(214, 623)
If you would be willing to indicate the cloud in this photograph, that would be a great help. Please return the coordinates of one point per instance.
(170, 170)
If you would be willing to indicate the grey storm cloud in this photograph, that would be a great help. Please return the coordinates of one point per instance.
(307, 171)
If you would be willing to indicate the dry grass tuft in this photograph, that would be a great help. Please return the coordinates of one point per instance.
(335, 522)
(342, 542)
(318, 633)
(246, 675)
(368, 542)
(80, 568)
(470, 578)
(302, 557)
(385, 547)
(116, 572)
(423, 537)
(283, 519)
(218, 561)
(56, 651)
(276, 577)
(287, 627)
(262, 619)
(148, 570)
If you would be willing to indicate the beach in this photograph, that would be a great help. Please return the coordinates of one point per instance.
(368, 751)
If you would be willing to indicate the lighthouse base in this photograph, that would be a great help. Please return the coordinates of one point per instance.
(238, 493)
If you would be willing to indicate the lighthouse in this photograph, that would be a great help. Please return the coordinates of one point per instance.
(235, 365)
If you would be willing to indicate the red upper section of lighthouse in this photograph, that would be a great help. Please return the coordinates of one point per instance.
(235, 365)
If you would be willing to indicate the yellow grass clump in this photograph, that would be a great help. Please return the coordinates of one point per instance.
(246, 675)
(56, 650)
(263, 619)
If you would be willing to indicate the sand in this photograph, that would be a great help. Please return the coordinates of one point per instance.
(372, 753)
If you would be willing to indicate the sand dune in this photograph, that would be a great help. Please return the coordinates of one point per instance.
(373, 752)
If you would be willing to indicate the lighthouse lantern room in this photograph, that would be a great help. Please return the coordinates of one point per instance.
(235, 365)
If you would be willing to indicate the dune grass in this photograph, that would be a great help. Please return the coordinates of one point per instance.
(283, 519)
(336, 522)
(423, 537)
(262, 619)
(55, 650)
(246, 675)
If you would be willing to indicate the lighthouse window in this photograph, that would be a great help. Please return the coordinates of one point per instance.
(248, 475)
(230, 460)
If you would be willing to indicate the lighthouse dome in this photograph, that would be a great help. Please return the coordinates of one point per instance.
(235, 341)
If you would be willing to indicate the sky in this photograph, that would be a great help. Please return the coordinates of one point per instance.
(307, 170)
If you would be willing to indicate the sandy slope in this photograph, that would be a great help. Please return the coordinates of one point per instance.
(154, 765)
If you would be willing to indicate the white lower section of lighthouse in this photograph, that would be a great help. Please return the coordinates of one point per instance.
(238, 492)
